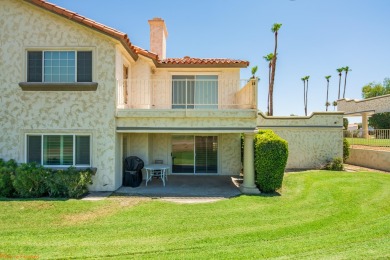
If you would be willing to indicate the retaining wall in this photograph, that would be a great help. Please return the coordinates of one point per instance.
(379, 160)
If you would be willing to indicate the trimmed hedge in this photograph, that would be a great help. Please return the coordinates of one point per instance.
(271, 153)
(7, 169)
(70, 183)
(345, 149)
(29, 180)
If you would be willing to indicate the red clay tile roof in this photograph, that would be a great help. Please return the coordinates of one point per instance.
(205, 61)
(146, 53)
(133, 50)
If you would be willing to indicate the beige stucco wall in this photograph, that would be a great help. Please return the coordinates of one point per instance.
(230, 154)
(312, 140)
(187, 122)
(376, 104)
(25, 26)
(379, 160)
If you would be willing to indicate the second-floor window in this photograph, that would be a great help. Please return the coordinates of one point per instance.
(59, 66)
(195, 92)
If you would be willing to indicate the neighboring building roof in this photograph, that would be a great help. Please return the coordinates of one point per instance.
(133, 50)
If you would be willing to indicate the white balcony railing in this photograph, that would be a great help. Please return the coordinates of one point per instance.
(186, 94)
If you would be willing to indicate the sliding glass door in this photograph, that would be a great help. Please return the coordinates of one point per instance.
(206, 156)
(183, 154)
(194, 154)
(195, 92)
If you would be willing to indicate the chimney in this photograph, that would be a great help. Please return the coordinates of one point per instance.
(158, 37)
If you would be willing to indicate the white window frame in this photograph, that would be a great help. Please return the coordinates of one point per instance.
(75, 49)
(74, 149)
(43, 66)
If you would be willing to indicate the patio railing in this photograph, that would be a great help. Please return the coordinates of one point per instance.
(186, 94)
(378, 137)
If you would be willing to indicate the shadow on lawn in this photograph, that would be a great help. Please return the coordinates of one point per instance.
(2, 199)
(272, 194)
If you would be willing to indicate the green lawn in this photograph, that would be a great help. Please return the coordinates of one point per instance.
(369, 142)
(332, 215)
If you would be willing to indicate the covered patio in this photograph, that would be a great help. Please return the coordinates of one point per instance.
(206, 186)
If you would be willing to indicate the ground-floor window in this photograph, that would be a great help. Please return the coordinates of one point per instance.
(59, 150)
(194, 154)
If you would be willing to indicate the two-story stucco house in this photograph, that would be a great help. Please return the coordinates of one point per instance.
(77, 93)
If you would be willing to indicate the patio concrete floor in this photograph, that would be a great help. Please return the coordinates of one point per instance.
(186, 186)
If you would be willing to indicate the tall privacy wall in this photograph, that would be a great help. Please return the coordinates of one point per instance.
(312, 140)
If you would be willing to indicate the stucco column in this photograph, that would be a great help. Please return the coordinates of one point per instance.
(365, 125)
(248, 186)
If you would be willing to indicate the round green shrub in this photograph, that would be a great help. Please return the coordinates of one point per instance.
(271, 153)
(345, 149)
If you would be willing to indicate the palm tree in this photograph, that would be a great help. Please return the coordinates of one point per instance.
(334, 105)
(327, 91)
(327, 104)
(254, 70)
(305, 90)
(346, 69)
(340, 71)
(275, 28)
(269, 58)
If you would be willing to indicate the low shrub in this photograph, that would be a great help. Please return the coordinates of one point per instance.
(271, 153)
(335, 165)
(345, 149)
(7, 169)
(29, 180)
(69, 183)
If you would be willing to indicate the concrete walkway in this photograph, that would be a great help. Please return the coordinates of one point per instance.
(186, 187)
(356, 168)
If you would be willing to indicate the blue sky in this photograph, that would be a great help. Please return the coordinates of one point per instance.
(316, 38)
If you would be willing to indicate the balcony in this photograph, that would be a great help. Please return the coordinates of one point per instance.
(186, 95)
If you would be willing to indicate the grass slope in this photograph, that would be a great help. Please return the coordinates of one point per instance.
(369, 142)
(319, 215)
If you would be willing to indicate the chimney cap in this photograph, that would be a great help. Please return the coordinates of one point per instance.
(158, 20)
